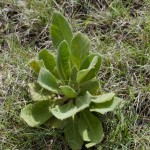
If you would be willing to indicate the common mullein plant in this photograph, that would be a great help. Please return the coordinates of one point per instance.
(67, 90)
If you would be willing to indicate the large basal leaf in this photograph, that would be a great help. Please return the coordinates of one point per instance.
(36, 65)
(90, 128)
(89, 71)
(79, 49)
(68, 91)
(38, 93)
(48, 59)
(63, 61)
(103, 97)
(82, 102)
(47, 81)
(60, 30)
(37, 113)
(72, 134)
(105, 107)
(65, 111)
(92, 86)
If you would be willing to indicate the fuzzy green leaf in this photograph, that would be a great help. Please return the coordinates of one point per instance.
(47, 81)
(90, 128)
(63, 61)
(93, 72)
(79, 49)
(37, 113)
(73, 77)
(72, 134)
(82, 102)
(83, 73)
(73, 74)
(105, 107)
(87, 61)
(60, 30)
(65, 111)
(48, 59)
(55, 73)
(92, 86)
(68, 91)
(38, 93)
(36, 65)
(103, 97)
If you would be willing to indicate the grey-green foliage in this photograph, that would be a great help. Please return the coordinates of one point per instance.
(67, 90)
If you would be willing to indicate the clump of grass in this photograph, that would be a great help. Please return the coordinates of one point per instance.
(119, 30)
(29, 21)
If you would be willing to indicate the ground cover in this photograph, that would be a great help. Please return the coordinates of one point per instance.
(119, 31)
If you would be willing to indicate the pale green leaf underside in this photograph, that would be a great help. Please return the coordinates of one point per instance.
(83, 73)
(88, 60)
(47, 81)
(105, 107)
(38, 93)
(79, 49)
(48, 59)
(63, 61)
(36, 114)
(103, 97)
(36, 65)
(60, 30)
(69, 109)
(68, 91)
(72, 134)
(82, 102)
(65, 111)
(90, 145)
(86, 63)
(90, 128)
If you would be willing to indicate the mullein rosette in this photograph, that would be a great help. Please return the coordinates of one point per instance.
(67, 90)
